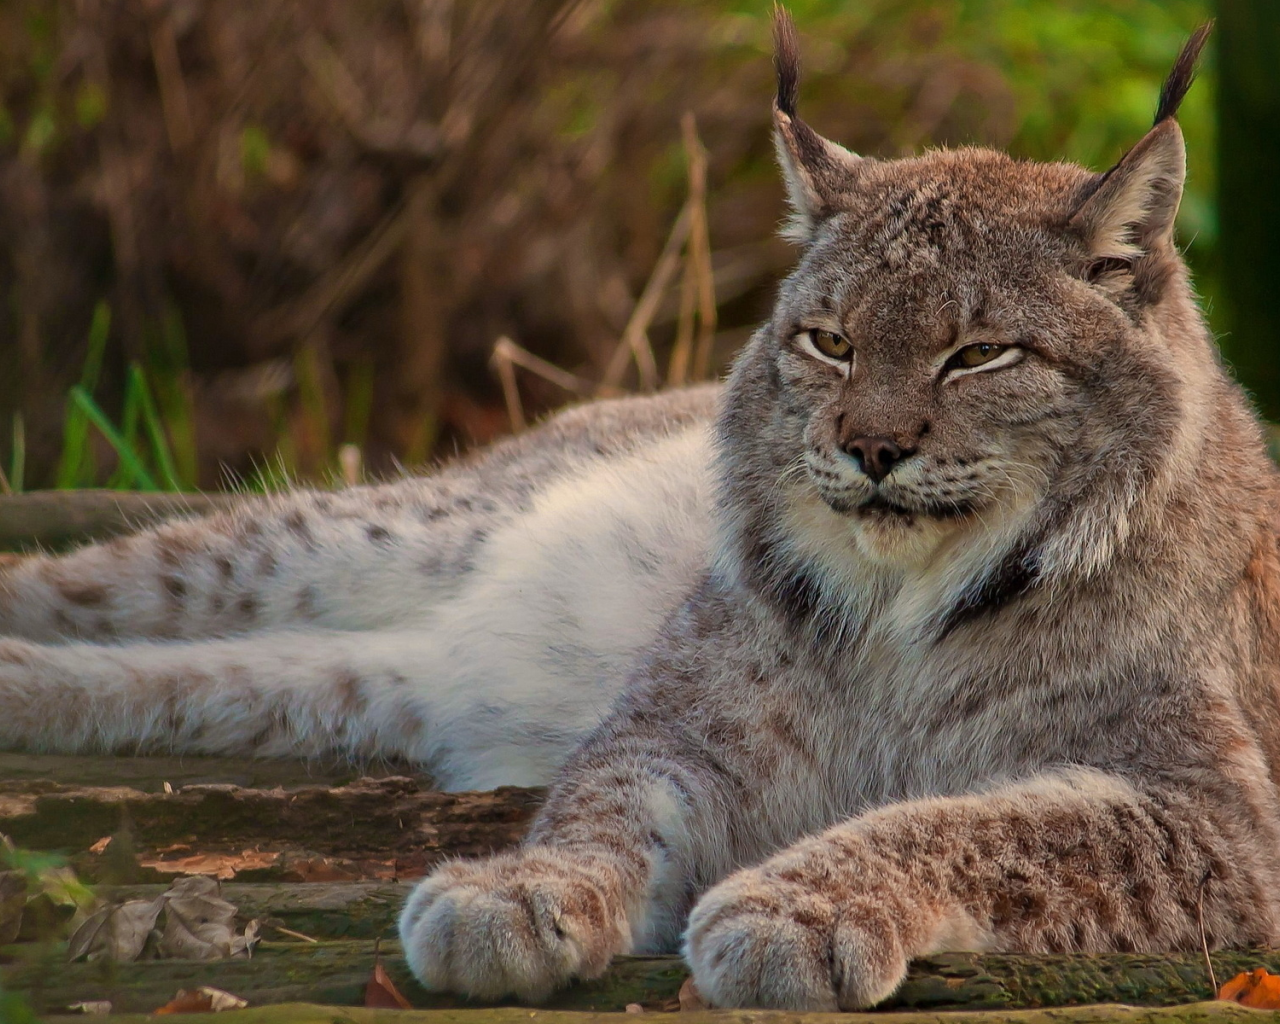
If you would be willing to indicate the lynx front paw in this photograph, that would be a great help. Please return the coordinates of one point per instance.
(756, 940)
(522, 924)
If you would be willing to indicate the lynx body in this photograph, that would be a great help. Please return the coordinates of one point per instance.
(958, 628)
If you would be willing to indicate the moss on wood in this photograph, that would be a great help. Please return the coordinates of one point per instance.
(335, 973)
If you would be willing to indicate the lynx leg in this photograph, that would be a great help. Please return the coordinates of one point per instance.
(1076, 862)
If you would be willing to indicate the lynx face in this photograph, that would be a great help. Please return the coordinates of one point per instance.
(934, 349)
(969, 346)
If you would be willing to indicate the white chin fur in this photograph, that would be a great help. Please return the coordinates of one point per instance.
(899, 540)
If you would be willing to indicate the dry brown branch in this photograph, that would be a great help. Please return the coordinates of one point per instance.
(700, 248)
(507, 349)
(341, 284)
(635, 336)
(697, 289)
(501, 362)
(173, 88)
(434, 32)
(336, 82)
(423, 334)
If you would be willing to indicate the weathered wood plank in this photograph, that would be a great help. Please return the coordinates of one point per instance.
(148, 773)
(59, 519)
(394, 827)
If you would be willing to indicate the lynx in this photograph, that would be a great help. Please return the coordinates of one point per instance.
(950, 622)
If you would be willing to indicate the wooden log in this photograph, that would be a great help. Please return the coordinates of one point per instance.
(149, 773)
(53, 520)
(393, 827)
(301, 1013)
(335, 973)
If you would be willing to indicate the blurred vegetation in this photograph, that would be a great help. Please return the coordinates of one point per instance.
(245, 239)
(1249, 202)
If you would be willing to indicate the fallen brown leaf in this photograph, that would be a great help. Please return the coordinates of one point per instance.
(198, 923)
(205, 999)
(690, 998)
(116, 932)
(1258, 989)
(381, 993)
(92, 1007)
(218, 865)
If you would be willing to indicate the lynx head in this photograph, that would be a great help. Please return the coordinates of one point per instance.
(972, 350)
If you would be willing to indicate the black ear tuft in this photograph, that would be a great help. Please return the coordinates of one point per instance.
(1183, 74)
(786, 60)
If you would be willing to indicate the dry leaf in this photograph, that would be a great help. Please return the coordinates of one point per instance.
(381, 992)
(242, 945)
(1257, 989)
(205, 999)
(690, 997)
(92, 1008)
(115, 932)
(219, 865)
(100, 845)
(198, 923)
(186, 1001)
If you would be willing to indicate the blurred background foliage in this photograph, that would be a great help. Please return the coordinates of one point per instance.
(247, 239)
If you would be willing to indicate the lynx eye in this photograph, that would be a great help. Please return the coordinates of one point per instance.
(830, 344)
(976, 355)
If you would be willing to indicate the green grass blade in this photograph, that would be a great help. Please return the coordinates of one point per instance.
(18, 467)
(359, 403)
(171, 378)
(128, 457)
(99, 329)
(75, 467)
(154, 427)
(122, 479)
(75, 454)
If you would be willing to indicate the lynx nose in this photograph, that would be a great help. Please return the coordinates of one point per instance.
(876, 455)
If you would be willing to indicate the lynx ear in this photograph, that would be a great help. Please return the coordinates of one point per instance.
(1130, 211)
(816, 170)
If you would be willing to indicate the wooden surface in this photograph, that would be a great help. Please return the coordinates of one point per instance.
(382, 831)
(386, 828)
(54, 520)
(148, 774)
